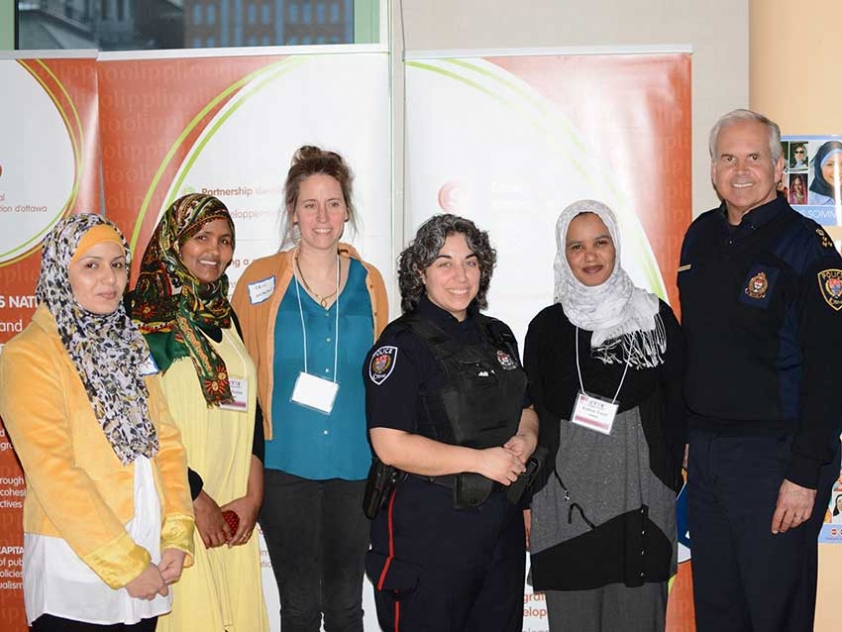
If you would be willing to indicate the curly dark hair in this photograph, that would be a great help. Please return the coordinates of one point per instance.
(309, 160)
(425, 248)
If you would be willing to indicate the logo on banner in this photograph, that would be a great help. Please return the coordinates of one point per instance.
(451, 196)
(830, 283)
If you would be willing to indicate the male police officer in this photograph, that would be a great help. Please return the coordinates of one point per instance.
(761, 299)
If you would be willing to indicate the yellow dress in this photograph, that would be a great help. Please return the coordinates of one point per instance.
(223, 590)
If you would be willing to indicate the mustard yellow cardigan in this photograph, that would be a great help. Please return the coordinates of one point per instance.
(258, 319)
(76, 487)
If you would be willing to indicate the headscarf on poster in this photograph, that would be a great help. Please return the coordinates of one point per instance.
(812, 178)
(812, 183)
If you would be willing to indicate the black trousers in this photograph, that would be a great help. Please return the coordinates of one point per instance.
(439, 569)
(317, 537)
(745, 578)
(49, 623)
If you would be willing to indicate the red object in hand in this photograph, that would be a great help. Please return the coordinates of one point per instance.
(232, 519)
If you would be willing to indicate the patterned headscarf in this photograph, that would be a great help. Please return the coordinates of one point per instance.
(621, 316)
(107, 350)
(170, 304)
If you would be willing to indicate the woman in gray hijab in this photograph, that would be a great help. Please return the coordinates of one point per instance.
(604, 364)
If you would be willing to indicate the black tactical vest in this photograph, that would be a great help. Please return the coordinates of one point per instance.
(482, 396)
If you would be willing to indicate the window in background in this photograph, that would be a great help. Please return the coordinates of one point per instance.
(157, 24)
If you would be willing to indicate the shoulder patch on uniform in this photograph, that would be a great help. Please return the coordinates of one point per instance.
(830, 284)
(825, 239)
(382, 363)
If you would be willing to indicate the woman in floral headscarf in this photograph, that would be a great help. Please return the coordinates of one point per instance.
(604, 364)
(181, 305)
(107, 505)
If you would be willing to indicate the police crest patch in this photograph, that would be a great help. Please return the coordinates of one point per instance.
(757, 286)
(506, 361)
(830, 284)
(382, 364)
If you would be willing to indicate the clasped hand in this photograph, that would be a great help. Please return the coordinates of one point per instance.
(153, 581)
(506, 463)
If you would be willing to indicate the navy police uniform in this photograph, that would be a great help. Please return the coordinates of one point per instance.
(435, 566)
(761, 312)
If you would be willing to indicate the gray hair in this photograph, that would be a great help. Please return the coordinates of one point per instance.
(425, 248)
(747, 115)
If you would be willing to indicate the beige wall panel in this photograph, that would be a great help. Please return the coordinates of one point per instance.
(717, 31)
(794, 73)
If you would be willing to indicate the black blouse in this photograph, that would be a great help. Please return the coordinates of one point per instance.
(550, 362)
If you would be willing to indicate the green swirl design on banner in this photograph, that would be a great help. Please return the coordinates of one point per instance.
(78, 145)
(553, 125)
(280, 67)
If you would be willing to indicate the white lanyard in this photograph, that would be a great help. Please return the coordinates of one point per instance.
(579, 370)
(336, 328)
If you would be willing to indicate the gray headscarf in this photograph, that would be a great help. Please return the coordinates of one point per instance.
(624, 319)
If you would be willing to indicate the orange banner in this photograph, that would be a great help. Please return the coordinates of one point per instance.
(49, 167)
(511, 139)
(153, 111)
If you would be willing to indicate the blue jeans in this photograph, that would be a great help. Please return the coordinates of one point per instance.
(317, 537)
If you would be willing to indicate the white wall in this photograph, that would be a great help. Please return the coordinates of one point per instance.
(717, 31)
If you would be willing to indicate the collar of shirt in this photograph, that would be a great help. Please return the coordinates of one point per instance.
(464, 330)
(754, 219)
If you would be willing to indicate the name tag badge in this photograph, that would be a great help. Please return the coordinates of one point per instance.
(314, 392)
(149, 367)
(594, 413)
(259, 291)
(240, 393)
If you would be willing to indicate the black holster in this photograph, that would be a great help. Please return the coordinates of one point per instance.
(382, 479)
(471, 490)
(525, 480)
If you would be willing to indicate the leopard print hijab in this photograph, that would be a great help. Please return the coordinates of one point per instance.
(107, 350)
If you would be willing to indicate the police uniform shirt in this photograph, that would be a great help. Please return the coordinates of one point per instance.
(761, 316)
(400, 369)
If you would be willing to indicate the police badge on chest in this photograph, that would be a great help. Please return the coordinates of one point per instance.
(507, 362)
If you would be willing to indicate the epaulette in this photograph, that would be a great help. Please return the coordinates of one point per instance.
(824, 238)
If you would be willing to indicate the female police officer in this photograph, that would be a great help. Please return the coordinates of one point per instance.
(445, 396)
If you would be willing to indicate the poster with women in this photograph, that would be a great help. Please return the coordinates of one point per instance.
(831, 532)
(49, 167)
(812, 181)
(812, 184)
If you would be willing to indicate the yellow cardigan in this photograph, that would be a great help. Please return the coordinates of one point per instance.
(76, 487)
(258, 319)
